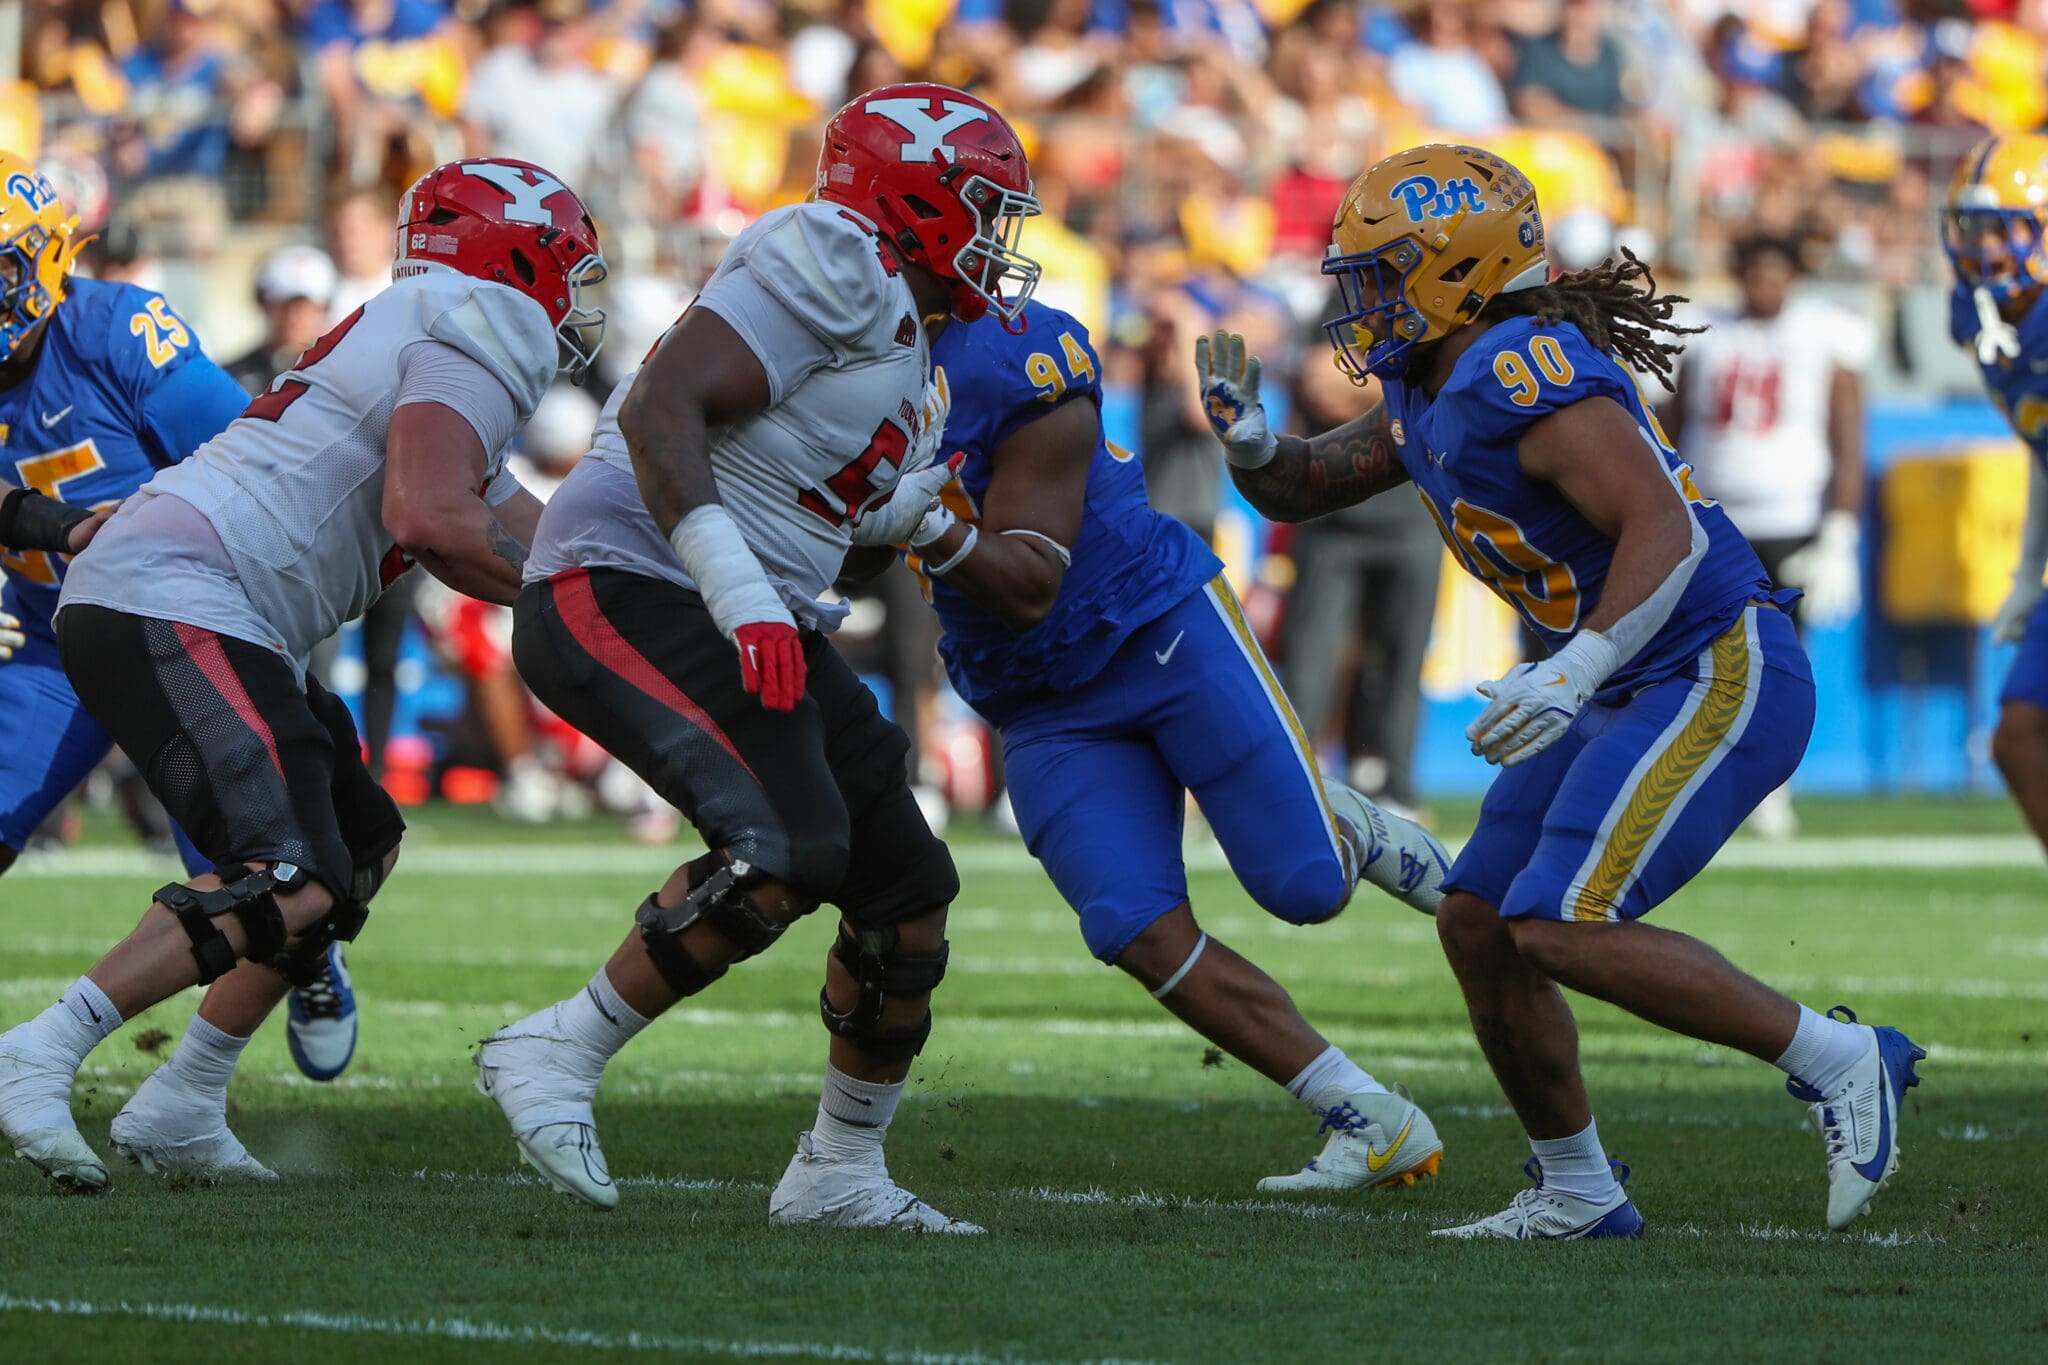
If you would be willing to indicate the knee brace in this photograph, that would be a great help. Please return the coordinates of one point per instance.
(305, 961)
(877, 961)
(718, 895)
(250, 895)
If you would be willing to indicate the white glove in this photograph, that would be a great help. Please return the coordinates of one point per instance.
(1230, 399)
(11, 637)
(911, 512)
(1829, 571)
(2011, 622)
(1533, 704)
(931, 432)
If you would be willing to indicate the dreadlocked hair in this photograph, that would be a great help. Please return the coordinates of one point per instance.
(1617, 306)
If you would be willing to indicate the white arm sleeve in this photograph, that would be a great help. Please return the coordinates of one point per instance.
(784, 344)
(2034, 536)
(435, 372)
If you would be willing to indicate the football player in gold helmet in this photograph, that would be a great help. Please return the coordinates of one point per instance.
(1992, 227)
(1676, 694)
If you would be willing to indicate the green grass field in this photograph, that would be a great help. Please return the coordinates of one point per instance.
(1112, 1162)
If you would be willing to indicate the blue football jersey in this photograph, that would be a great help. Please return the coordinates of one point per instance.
(120, 389)
(1519, 535)
(2018, 386)
(1131, 564)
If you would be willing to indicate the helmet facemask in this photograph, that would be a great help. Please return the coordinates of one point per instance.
(581, 330)
(1379, 330)
(991, 257)
(25, 300)
(1994, 249)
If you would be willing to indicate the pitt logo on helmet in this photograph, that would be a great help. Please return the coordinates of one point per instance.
(1418, 250)
(38, 241)
(1421, 196)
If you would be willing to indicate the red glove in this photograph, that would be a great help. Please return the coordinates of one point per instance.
(771, 663)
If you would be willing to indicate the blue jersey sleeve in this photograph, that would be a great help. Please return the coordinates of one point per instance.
(180, 398)
(1003, 382)
(1519, 375)
(190, 408)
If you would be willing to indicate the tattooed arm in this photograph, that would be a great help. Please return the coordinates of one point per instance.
(1310, 476)
(434, 462)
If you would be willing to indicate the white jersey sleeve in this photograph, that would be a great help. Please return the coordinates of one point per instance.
(435, 372)
(295, 486)
(811, 292)
(785, 344)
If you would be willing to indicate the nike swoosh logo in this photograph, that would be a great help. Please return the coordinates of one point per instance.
(1873, 1169)
(609, 1016)
(1169, 649)
(1374, 1161)
(753, 659)
(51, 419)
(87, 1003)
(1557, 681)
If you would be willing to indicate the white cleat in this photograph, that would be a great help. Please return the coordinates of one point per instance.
(172, 1135)
(531, 1070)
(1376, 1141)
(1541, 1215)
(852, 1194)
(35, 1117)
(1859, 1123)
(1398, 856)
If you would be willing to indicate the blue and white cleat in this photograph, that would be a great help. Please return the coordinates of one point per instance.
(1540, 1215)
(322, 1028)
(1860, 1121)
(1394, 853)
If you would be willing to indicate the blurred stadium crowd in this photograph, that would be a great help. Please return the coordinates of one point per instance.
(1189, 154)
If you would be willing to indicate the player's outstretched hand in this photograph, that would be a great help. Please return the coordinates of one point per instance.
(1829, 572)
(772, 663)
(1230, 399)
(895, 521)
(82, 534)
(2011, 622)
(11, 637)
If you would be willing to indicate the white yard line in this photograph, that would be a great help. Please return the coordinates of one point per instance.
(421, 857)
(470, 1329)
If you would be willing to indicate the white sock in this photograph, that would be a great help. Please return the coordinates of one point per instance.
(1823, 1051)
(75, 1025)
(598, 1018)
(204, 1061)
(1329, 1080)
(1576, 1165)
(853, 1116)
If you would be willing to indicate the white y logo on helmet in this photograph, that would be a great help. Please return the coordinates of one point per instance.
(529, 200)
(927, 134)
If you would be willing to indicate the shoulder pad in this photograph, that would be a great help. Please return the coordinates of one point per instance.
(827, 265)
(1521, 371)
(496, 326)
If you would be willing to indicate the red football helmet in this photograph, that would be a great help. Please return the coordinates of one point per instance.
(493, 218)
(942, 174)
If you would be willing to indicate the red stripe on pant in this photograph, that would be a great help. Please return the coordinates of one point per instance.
(601, 641)
(204, 648)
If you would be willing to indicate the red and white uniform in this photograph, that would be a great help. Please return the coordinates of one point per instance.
(1757, 413)
(811, 291)
(273, 532)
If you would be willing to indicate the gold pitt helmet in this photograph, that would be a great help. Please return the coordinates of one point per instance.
(1422, 242)
(38, 241)
(1991, 224)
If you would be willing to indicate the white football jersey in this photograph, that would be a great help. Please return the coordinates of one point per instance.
(1756, 430)
(810, 291)
(294, 488)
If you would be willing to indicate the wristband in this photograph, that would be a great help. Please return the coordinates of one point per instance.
(936, 521)
(31, 521)
(966, 549)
